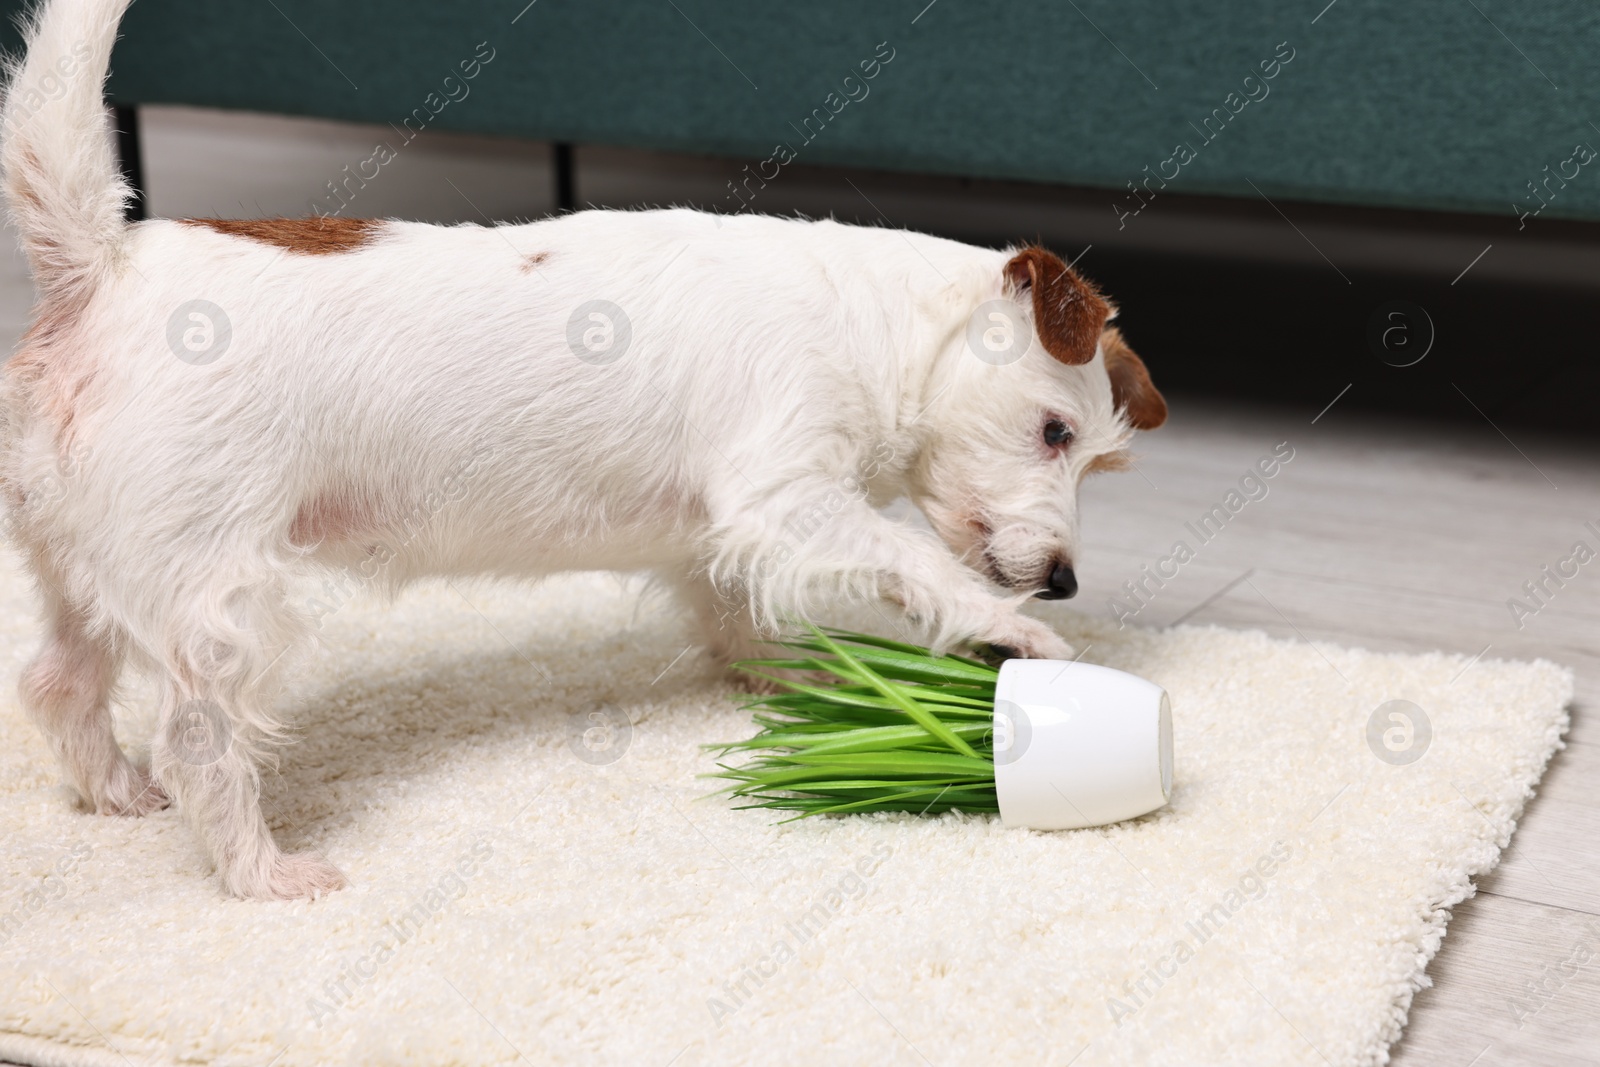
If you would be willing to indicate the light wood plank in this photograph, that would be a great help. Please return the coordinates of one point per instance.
(1554, 856)
(1480, 1010)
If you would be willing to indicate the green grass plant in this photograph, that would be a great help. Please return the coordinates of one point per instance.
(893, 727)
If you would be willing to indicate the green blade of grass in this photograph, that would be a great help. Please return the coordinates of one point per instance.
(814, 700)
(928, 720)
(835, 695)
(901, 666)
(819, 739)
(875, 641)
(896, 761)
(866, 787)
(796, 776)
(902, 646)
(889, 802)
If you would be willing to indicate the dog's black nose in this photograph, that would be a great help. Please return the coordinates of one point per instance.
(1063, 584)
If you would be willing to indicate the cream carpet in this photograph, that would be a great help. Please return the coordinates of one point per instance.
(513, 903)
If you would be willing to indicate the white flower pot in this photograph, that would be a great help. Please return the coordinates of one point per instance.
(1079, 745)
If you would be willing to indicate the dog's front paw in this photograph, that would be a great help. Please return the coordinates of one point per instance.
(1019, 637)
(292, 876)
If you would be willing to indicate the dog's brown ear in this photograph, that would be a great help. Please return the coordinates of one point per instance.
(1131, 387)
(1068, 312)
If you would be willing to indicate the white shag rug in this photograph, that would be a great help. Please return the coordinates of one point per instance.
(513, 903)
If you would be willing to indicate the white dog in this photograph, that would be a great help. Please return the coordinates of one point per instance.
(207, 414)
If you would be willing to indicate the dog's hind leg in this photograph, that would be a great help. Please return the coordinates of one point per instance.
(66, 690)
(224, 643)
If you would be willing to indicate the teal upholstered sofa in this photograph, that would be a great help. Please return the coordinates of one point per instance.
(1444, 104)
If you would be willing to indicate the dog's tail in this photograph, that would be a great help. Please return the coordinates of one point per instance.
(58, 166)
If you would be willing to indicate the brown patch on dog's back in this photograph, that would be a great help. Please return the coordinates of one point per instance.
(533, 262)
(1068, 311)
(1131, 386)
(319, 235)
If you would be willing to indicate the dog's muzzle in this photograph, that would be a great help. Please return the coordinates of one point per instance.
(1063, 584)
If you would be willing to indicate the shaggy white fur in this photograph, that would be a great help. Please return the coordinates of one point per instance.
(198, 419)
(510, 899)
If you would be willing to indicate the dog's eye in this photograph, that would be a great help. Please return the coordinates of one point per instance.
(1057, 433)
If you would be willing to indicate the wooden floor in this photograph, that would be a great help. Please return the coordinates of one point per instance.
(1396, 536)
(1380, 533)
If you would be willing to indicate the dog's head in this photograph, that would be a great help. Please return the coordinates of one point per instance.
(1042, 392)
